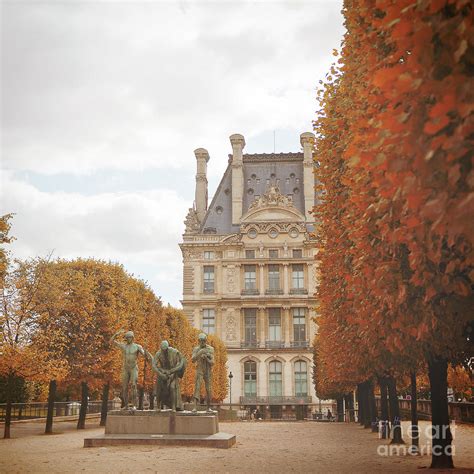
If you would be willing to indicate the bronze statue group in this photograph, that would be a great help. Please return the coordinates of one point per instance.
(169, 365)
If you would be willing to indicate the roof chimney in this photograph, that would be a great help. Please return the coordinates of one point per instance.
(202, 157)
(307, 142)
(238, 143)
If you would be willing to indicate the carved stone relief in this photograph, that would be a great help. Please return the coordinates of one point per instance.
(231, 327)
(191, 222)
(191, 254)
(232, 239)
(231, 275)
(272, 197)
(262, 227)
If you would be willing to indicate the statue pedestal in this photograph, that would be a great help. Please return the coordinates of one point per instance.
(182, 428)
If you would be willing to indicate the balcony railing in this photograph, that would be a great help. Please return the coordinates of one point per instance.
(275, 400)
(248, 344)
(273, 292)
(274, 344)
(298, 291)
(302, 344)
(250, 292)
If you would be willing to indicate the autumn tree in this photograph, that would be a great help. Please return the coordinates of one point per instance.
(20, 357)
(459, 379)
(395, 147)
(83, 302)
(80, 305)
(5, 238)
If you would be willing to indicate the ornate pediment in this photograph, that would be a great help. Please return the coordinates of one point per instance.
(273, 207)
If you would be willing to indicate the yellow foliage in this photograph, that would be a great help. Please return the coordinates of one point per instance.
(74, 308)
(460, 381)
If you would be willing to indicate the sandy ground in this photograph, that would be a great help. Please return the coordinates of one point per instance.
(261, 447)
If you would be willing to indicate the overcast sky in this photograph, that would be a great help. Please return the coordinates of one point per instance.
(104, 102)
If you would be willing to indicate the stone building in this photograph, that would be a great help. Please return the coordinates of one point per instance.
(249, 274)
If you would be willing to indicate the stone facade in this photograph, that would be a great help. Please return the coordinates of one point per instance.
(249, 274)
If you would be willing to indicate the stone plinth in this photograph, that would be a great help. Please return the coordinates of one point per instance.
(127, 427)
(161, 422)
(217, 440)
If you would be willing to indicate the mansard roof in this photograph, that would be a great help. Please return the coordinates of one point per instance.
(260, 170)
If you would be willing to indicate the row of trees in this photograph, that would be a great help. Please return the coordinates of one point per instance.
(395, 144)
(57, 318)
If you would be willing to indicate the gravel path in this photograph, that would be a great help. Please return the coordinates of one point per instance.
(261, 447)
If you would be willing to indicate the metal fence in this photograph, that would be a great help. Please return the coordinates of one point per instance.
(33, 410)
(269, 400)
(459, 411)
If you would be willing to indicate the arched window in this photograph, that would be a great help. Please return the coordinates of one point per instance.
(275, 378)
(250, 378)
(301, 379)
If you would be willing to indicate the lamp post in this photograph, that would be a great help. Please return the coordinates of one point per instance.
(230, 389)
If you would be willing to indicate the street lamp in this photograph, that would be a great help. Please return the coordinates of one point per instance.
(230, 389)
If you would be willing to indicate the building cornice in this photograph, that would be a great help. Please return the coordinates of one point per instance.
(270, 157)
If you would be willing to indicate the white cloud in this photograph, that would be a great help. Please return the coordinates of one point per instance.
(136, 229)
(90, 88)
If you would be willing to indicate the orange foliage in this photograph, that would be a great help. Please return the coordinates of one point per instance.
(81, 303)
(395, 150)
(460, 381)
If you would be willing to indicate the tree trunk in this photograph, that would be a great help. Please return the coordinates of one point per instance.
(414, 431)
(51, 399)
(340, 409)
(8, 413)
(81, 422)
(105, 404)
(349, 406)
(367, 415)
(394, 411)
(360, 404)
(441, 456)
(373, 407)
(385, 428)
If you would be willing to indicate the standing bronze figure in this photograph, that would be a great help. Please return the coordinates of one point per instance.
(169, 364)
(203, 357)
(130, 351)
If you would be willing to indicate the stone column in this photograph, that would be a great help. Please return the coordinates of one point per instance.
(262, 381)
(217, 278)
(202, 157)
(311, 326)
(261, 276)
(311, 281)
(287, 325)
(238, 144)
(307, 142)
(285, 278)
(218, 322)
(261, 325)
(197, 317)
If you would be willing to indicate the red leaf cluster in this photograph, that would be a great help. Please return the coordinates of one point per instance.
(395, 144)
